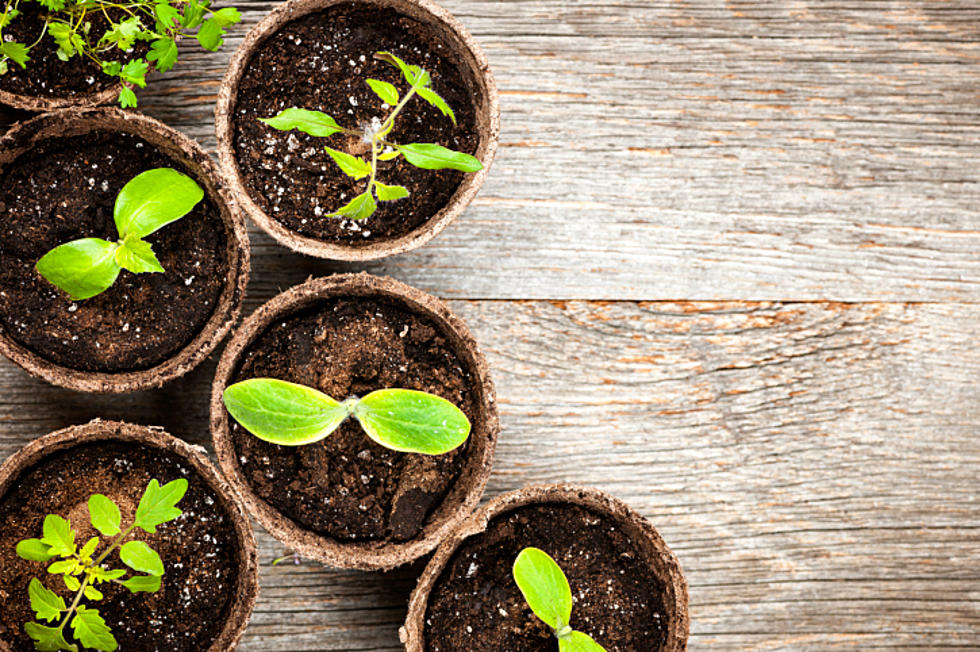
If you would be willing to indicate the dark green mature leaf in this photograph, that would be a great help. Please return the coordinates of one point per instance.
(82, 268)
(352, 166)
(158, 504)
(283, 413)
(412, 422)
(579, 642)
(34, 550)
(164, 52)
(314, 123)
(430, 156)
(91, 631)
(210, 35)
(142, 583)
(48, 639)
(141, 557)
(390, 193)
(104, 514)
(17, 52)
(47, 604)
(152, 200)
(58, 535)
(387, 92)
(436, 100)
(359, 208)
(137, 256)
(544, 586)
(167, 15)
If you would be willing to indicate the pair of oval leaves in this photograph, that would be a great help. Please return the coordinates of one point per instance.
(290, 414)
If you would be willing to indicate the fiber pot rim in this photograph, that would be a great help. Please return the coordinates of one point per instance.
(156, 437)
(463, 495)
(39, 104)
(488, 126)
(641, 532)
(186, 154)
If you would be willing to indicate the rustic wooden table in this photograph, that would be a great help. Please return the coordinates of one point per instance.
(725, 267)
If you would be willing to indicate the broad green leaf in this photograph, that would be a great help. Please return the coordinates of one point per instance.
(17, 52)
(89, 547)
(313, 123)
(127, 98)
(93, 593)
(387, 92)
(168, 15)
(210, 34)
(430, 156)
(157, 506)
(142, 583)
(352, 166)
(579, 642)
(104, 514)
(91, 631)
(359, 208)
(164, 52)
(153, 199)
(48, 639)
(34, 550)
(412, 422)
(59, 535)
(137, 256)
(82, 268)
(47, 604)
(283, 413)
(390, 193)
(71, 582)
(141, 557)
(544, 586)
(436, 100)
(227, 16)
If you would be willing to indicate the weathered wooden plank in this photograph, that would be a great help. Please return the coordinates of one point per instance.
(813, 465)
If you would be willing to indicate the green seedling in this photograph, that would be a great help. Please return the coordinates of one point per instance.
(547, 592)
(161, 23)
(82, 570)
(403, 420)
(428, 156)
(151, 200)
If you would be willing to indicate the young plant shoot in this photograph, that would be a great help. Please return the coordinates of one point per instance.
(161, 23)
(428, 156)
(82, 570)
(151, 200)
(403, 420)
(547, 592)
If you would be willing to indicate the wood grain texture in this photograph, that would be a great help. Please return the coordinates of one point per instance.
(813, 465)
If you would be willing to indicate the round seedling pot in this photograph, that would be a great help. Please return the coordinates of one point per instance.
(60, 175)
(317, 55)
(210, 579)
(630, 593)
(345, 500)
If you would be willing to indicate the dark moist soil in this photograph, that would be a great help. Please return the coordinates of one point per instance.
(320, 62)
(476, 605)
(46, 75)
(346, 486)
(65, 189)
(198, 548)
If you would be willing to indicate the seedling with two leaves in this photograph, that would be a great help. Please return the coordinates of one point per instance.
(546, 590)
(428, 156)
(82, 570)
(151, 200)
(290, 414)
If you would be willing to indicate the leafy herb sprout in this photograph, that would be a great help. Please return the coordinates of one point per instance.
(547, 592)
(290, 414)
(162, 23)
(428, 156)
(151, 200)
(82, 570)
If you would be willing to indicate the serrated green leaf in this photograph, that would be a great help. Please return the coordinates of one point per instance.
(227, 16)
(283, 413)
(158, 504)
(579, 642)
(167, 15)
(89, 547)
(48, 639)
(390, 193)
(137, 256)
(436, 100)
(210, 35)
(544, 586)
(82, 268)
(314, 123)
(93, 593)
(16, 52)
(47, 604)
(414, 75)
(69, 42)
(34, 550)
(127, 98)
(141, 557)
(164, 52)
(142, 583)
(430, 156)
(123, 34)
(352, 166)
(387, 92)
(153, 199)
(193, 14)
(91, 631)
(64, 566)
(71, 582)
(134, 72)
(412, 422)
(104, 514)
(58, 535)
(99, 574)
(359, 208)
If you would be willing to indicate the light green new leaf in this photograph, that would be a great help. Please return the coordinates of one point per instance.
(414, 75)
(93, 593)
(137, 256)
(388, 156)
(390, 193)
(387, 92)
(436, 100)
(64, 566)
(127, 98)
(100, 574)
(48, 639)
(141, 557)
(544, 586)
(579, 642)
(157, 506)
(89, 547)
(82, 268)
(104, 514)
(142, 583)
(59, 535)
(430, 156)
(154, 199)
(283, 413)
(412, 422)
(210, 34)
(352, 166)
(314, 123)
(47, 604)
(227, 16)
(71, 582)
(359, 208)
(34, 550)
(91, 631)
